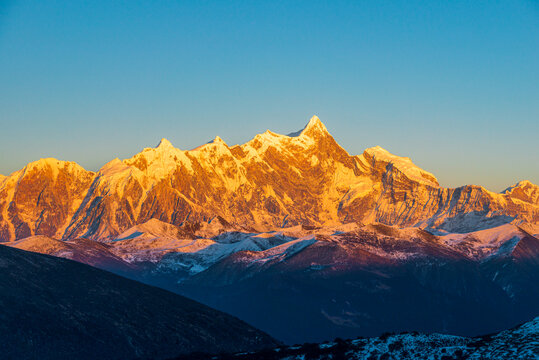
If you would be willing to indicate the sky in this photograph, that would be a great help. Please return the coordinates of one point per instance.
(454, 85)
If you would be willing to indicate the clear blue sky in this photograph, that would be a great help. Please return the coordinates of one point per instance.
(452, 84)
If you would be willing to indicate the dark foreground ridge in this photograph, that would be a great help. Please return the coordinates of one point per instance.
(53, 308)
(521, 342)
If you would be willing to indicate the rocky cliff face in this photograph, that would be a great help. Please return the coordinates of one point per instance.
(41, 198)
(268, 183)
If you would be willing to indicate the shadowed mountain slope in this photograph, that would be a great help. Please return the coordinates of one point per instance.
(374, 279)
(311, 284)
(55, 308)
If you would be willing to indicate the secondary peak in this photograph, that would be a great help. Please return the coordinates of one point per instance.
(218, 140)
(164, 143)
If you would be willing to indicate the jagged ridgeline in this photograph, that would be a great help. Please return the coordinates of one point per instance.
(270, 182)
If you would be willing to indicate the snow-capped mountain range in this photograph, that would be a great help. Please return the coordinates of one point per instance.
(292, 234)
(270, 182)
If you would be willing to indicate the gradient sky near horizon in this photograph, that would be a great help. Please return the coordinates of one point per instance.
(452, 85)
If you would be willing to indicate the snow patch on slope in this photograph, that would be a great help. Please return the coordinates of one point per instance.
(498, 241)
(282, 251)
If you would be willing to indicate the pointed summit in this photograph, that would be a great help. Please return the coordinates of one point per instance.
(164, 143)
(218, 140)
(314, 128)
(315, 123)
(216, 143)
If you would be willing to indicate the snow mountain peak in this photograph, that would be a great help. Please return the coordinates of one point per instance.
(217, 144)
(218, 140)
(113, 167)
(314, 121)
(52, 166)
(524, 190)
(314, 128)
(164, 144)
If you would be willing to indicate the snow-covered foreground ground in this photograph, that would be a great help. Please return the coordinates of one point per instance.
(521, 342)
